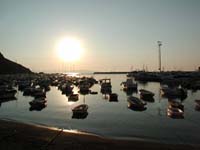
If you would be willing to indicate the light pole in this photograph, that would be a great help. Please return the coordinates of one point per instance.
(159, 55)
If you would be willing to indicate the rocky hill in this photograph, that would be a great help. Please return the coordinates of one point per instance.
(10, 67)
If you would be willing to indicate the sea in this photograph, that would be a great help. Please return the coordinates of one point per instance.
(112, 119)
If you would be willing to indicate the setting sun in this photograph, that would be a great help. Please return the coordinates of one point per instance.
(69, 49)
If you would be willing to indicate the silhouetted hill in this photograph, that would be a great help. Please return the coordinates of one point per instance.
(10, 67)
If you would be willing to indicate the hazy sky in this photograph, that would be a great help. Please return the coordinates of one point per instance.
(116, 34)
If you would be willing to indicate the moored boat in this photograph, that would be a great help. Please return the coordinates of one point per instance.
(38, 102)
(84, 87)
(113, 97)
(146, 95)
(129, 85)
(80, 109)
(174, 92)
(73, 97)
(135, 102)
(105, 86)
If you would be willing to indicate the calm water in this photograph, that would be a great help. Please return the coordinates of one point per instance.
(112, 119)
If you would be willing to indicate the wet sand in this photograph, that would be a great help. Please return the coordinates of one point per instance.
(20, 136)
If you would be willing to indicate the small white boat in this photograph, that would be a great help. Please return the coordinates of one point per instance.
(80, 108)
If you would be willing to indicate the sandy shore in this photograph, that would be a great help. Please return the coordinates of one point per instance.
(20, 136)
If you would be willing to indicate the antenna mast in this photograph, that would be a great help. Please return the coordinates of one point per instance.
(159, 56)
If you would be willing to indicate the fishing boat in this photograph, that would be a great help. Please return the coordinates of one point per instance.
(84, 87)
(73, 97)
(129, 85)
(105, 86)
(176, 92)
(67, 88)
(146, 95)
(80, 109)
(135, 102)
(113, 97)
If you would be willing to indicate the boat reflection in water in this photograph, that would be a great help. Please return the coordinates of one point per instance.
(174, 92)
(175, 109)
(80, 115)
(130, 92)
(197, 106)
(7, 94)
(7, 100)
(37, 108)
(137, 108)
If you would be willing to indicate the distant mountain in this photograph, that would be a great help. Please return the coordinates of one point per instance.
(10, 67)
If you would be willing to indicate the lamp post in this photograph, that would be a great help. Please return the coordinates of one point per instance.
(159, 55)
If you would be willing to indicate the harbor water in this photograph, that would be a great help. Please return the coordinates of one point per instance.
(112, 119)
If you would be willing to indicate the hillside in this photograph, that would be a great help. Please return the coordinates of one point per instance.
(10, 67)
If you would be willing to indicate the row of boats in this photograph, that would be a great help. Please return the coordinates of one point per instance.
(37, 88)
(175, 108)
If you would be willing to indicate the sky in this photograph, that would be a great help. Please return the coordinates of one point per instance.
(116, 35)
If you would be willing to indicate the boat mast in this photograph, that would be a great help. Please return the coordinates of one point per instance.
(159, 55)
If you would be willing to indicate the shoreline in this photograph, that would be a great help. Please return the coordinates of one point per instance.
(86, 133)
(17, 135)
